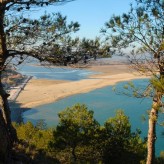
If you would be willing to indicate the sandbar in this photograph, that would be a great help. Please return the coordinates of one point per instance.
(41, 91)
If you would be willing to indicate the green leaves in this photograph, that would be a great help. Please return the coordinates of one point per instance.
(76, 127)
(140, 12)
(142, 26)
(79, 137)
(155, 12)
(125, 18)
(158, 84)
(37, 136)
(120, 144)
(38, 37)
(119, 125)
(23, 5)
(78, 122)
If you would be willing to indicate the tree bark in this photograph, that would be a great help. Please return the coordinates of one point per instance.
(153, 116)
(5, 109)
(4, 141)
(151, 137)
(7, 132)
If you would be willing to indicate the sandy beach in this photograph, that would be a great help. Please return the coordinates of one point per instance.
(40, 91)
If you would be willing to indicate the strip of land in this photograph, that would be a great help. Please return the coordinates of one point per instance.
(40, 91)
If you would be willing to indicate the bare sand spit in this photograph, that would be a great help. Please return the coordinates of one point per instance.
(39, 92)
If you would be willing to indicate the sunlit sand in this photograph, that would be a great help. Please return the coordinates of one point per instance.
(38, 92)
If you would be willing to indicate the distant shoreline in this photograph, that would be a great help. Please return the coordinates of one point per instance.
(41, 91)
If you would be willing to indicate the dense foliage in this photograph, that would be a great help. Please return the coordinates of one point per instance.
(79, 138)
(76, 129)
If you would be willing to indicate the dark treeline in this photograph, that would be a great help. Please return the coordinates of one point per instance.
(79, 138)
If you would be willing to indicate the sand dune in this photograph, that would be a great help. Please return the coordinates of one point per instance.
(39, 92)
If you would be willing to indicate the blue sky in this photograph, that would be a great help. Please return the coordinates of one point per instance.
(91, 14)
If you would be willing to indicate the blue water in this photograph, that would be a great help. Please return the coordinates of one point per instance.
(104, 102)
(54, 73)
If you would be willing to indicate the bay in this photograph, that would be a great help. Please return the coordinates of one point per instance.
(54, 73)
(104, 102)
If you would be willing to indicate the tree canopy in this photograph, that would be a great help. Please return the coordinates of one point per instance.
(39, 38)
(81, 136)
(120, 144)
(76, 127)
(22, 36)
(141, 31)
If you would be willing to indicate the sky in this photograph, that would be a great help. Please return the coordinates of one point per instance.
(91, 14)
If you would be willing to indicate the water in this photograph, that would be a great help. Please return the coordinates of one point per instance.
(104, 102)
(54, 73)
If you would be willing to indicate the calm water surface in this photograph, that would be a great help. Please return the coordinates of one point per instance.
(104, 102)
(56, 73)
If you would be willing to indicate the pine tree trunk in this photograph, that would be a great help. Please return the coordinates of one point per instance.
(153, 116)
(7, 132)
(151, 137)
(5, 109)
(5, 143)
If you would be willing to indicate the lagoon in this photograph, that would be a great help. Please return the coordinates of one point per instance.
(54, 73)
(104, 102)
